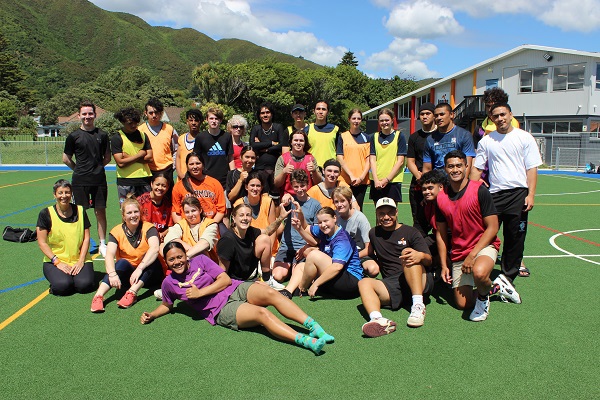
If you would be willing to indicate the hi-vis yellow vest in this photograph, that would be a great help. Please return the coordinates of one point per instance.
(66, 238)
(387, 157)
(322, 144)
(136, 169)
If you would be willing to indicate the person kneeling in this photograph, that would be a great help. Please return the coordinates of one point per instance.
(392, 241)
(231, 303)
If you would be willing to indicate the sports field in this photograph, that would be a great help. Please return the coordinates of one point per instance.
(546, 347)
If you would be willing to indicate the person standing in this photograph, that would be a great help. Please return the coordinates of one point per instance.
(322, 135)
(163, 139)
(187, 141)
(446, 138)
(298, 115)
(353, 155)
(91, 148)
(513, 157)
(216, 147)
(414, 162)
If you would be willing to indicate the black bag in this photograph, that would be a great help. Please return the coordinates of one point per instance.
(19, 235)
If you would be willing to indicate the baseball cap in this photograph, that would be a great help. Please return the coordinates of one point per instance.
(299, 107)
(385, 201)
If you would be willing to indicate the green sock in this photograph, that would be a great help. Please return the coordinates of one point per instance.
(317, 331)
(314, 344)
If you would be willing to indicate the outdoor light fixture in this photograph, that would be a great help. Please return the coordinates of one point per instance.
(548, 57)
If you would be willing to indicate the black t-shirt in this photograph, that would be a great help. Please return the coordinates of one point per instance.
(45, 221)
(232, 177)
(239, 252)
(416, 145)
(388, 247)
(89, 148)
(265, 150)
(215, 150)
(486, 203)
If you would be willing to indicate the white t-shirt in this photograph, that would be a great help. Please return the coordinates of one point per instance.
(508, 157)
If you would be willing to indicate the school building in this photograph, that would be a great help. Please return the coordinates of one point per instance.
(553, 92)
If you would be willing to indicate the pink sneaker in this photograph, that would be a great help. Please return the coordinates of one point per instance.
(97, 304)
(128, 300)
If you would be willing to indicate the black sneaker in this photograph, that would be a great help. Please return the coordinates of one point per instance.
(286, 293)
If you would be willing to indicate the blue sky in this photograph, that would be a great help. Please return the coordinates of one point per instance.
(419, 38)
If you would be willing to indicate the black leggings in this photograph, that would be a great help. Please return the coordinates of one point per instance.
(62, 284)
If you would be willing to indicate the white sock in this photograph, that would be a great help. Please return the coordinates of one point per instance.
(375, 314)
(103, 242)
(417, 299)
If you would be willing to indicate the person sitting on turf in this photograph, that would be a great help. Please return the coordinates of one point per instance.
(331, 179)
(229, 302)
(135, 245)
(63, 234)
(403, 258)
(156, 204)
(335, 266)
(243, 246)
(291, 248)
(467, 209)
(357, 225)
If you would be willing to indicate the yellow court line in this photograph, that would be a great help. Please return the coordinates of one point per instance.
(35, 180)
(16, 315)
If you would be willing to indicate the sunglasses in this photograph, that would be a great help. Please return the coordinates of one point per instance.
(237, 127)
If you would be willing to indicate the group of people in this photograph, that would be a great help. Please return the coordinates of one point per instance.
(245, 218)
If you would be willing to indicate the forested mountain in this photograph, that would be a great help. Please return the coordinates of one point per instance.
(60, 43)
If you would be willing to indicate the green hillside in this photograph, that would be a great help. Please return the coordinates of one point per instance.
(64, 42)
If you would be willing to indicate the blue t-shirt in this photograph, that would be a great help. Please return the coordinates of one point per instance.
(437, 145)
(291, 239)
(341, 248)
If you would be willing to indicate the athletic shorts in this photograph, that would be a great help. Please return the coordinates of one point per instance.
(286, 255)
(343, 286)
(392, 190)
(90, 196)
(227, 315)
(461, 279)
(137, 190)
(396, 286)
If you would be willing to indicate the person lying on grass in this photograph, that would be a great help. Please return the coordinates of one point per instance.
(231, 303)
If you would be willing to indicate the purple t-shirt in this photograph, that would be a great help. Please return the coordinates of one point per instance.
(202, 272)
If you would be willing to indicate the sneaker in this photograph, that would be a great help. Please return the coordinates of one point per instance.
(286, 293)
(97, 304)
(481, 310)
(102, 249)
(274, 284)
(127, 300)
(158, 294)
(417, 316)
(379, 327)
(507, 290)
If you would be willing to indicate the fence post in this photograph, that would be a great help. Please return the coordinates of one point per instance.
(556, 161)
(46, 151)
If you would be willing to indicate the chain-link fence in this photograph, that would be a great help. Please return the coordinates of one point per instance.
(568, 150)
(31, 152)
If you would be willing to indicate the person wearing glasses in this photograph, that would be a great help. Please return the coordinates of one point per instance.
(237, 126)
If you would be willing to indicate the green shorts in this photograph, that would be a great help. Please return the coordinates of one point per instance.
(227, 315)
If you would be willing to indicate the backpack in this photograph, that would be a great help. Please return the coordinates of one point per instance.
(19, 235)
(590, 168)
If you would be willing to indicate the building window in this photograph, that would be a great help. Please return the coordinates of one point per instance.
(423, 99)
(556, 127)
(533, 80)
(491, 83)
(404, 110)
(597, 76)
(568, 77)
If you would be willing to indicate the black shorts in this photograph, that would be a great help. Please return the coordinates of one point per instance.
(90, 196)
(392, 190)
(343, 286)
(397, 286)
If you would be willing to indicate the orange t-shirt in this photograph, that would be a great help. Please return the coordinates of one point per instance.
(209, 192)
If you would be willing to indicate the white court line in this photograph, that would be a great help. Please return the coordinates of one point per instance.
(552, 241)
(564, 256)
(563, 194)
(574, 178)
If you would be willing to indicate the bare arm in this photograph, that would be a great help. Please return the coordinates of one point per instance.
(123, 159)
(222, 281)
(162, 309)
(491, 229)
(531, 184)
(412, 167)
(427, 166)
(475, 174)
(68, 161)
(441, 238)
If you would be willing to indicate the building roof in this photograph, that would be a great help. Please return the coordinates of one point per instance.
(172, 114)
(507, 54)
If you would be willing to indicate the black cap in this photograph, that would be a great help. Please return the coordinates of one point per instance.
(299, 107)
(427, 106)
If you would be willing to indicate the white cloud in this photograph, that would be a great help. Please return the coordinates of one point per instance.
(422, 19)
(405, 58)
(235, 19)
(572, 15)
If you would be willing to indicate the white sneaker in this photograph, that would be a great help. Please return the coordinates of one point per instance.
(379, 327)
(158, 294)
(274, 284)
(481, 310)
(102, 249)
(507, 290)
(417, 316)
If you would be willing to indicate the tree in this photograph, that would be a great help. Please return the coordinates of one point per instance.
(11, 75)
(27, 126)
(349, 60)
(10, 107)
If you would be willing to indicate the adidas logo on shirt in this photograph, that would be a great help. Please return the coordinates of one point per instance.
(216, 150)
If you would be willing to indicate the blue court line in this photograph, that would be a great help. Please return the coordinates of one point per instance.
(41, 167)
(27, 209)
(570, 173)
(22, 285)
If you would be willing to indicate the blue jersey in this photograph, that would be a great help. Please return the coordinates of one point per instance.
(341, 248)
(437, 145)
